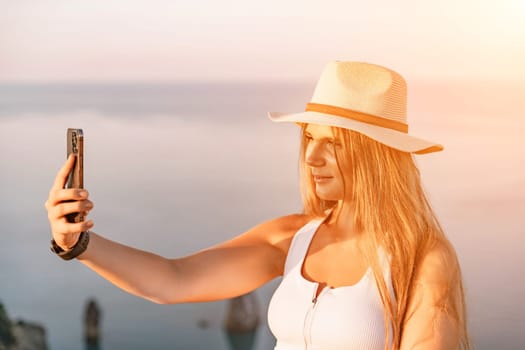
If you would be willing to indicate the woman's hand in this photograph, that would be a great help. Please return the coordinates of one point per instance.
(66, 201)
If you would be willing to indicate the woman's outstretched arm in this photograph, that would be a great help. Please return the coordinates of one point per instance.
(226, 270)
(229, 269)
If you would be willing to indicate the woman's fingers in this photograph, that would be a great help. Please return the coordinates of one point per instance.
(63, 173)
(60, 210)
(57, 196)
(65, 228)
(62, 202)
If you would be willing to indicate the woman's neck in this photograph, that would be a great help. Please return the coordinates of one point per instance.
(340, 221)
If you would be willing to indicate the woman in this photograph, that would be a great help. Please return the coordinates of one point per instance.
(366, 266)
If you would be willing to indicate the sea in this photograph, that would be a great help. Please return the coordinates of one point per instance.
(177, 167)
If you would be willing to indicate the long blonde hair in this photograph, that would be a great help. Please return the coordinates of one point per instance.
(392, 208)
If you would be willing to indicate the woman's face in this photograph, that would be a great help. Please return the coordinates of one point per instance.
(320, 157)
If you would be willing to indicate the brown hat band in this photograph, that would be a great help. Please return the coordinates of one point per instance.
(361, 117)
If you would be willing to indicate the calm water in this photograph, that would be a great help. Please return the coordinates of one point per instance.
(177, 168)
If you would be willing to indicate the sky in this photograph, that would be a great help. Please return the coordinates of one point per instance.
(158, 40)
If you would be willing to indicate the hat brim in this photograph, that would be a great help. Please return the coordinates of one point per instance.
(389, 137)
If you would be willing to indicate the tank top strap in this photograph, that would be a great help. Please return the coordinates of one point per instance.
(300, 243)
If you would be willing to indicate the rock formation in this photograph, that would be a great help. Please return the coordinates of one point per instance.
(92, 316)
(29, 336)
(20, 335)
(241, 322)
(7, 338)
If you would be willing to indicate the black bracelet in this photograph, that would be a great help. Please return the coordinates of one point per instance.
(77, 249)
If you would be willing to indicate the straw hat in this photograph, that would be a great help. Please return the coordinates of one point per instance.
(363, 97)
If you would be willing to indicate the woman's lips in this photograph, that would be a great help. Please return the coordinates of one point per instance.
(322, 179)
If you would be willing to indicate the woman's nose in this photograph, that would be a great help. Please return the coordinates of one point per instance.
(314, 155)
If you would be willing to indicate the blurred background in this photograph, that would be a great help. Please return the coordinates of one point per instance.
(180, 155)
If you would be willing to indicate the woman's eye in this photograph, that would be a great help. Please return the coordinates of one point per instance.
(333, 143)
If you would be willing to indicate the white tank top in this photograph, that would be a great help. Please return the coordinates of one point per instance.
(347, 317)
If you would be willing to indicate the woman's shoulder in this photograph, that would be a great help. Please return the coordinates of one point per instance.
(280, 231)
(291, 221)
(285, 229)
(438, 265)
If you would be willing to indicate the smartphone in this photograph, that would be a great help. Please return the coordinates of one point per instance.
(75, 145)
